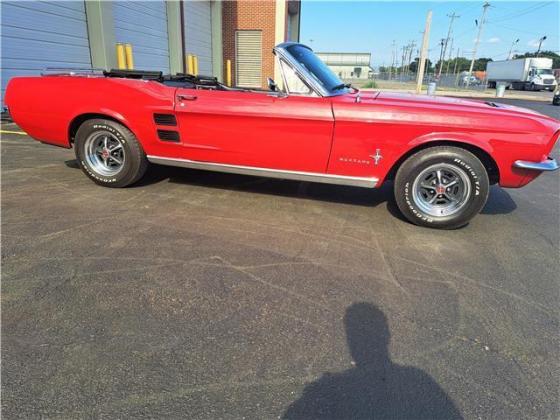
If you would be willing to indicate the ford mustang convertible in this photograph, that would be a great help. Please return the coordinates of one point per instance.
(441, 153)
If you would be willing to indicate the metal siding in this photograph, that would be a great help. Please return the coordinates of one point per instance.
(198, 33)
(144, 25)
(248, 58)
(36, 35)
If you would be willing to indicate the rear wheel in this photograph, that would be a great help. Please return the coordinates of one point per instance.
(441, 187)
(109, 153)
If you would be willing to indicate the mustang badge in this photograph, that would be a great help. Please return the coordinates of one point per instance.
(377, 157)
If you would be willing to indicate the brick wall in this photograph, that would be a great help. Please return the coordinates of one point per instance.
(249, 15)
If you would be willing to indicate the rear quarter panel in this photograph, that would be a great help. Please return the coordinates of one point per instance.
(46, 106)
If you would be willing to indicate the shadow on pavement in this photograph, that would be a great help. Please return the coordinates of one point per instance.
(72, 163)
(376, 387)
(276, 187)
(499, 202)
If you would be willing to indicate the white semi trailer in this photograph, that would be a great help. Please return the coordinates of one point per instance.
(522, 73)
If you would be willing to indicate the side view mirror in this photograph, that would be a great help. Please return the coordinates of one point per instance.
(272, 86)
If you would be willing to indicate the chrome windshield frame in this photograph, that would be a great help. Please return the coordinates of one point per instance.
(281, 51)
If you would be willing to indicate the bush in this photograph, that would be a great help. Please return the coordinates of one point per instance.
(369, 85)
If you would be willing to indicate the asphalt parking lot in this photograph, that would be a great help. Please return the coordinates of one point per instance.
(204, 295)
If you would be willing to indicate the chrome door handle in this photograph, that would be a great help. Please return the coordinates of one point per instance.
(186, 97)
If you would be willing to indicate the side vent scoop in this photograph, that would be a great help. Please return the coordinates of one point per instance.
(165, 119)
(168, 135)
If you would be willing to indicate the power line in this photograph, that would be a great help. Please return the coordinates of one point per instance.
(521, 30)
(523, 13)
(520, 11)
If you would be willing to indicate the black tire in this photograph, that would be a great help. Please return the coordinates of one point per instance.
(470, 172)
(134, 159)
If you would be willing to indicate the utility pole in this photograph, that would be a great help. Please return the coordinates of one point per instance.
(407, 58)
(511, 49)
(392, 58)
(452, 17)
(404, 52)
(455, 70)
(409, 55)
(449, 58)
(441, 43)
(485, 7)
(423, 52)
(412, 45)
(456, 60)
(540, 45)
(395, 54)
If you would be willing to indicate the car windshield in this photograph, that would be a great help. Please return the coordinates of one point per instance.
(317, 69)
(544, 71)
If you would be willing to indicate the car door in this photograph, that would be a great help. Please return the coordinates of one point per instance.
(257, 129)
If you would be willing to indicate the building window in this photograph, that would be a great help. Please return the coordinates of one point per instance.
(248, 58)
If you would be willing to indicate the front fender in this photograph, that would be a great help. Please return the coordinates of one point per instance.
(451, 136)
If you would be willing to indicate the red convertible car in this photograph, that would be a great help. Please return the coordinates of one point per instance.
(441, 153)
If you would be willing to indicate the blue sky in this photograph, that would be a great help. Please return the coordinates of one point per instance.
(371, 26)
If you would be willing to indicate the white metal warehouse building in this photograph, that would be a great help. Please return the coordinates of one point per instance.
(348, 65)
(61, 34)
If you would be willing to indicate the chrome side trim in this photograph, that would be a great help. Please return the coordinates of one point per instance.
(268, 173)
(545, 165)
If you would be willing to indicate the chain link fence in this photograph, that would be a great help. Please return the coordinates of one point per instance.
(457, 81)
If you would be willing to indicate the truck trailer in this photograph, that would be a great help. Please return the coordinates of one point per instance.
(522, 73)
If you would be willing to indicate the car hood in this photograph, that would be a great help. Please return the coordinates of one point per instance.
(450, 103)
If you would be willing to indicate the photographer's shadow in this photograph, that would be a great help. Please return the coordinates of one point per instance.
(376, 388)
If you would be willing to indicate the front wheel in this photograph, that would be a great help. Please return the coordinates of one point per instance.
(441, 187)
(109, 153)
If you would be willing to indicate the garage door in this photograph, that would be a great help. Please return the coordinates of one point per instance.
(198, 33)
(36, 35)
(144, 25)
(248, 58)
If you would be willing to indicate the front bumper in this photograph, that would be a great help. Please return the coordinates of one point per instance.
(545, 165)
(547, 87)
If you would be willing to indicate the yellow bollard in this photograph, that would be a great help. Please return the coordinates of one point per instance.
(121, 57)
(190, 65)
(195, 67)
(228, 72)
(129, 57)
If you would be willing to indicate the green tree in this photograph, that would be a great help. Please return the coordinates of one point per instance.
(480, 64)
(464, 64)
(414, 65)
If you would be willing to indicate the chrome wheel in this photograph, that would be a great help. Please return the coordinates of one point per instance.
(104, 153)
(441, 190)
